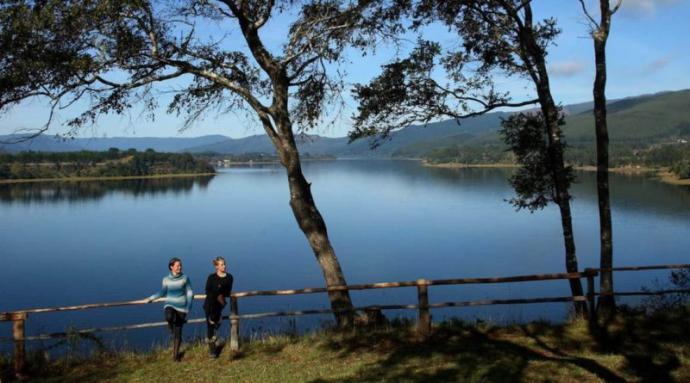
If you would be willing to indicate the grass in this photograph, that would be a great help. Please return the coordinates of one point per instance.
(633, 347)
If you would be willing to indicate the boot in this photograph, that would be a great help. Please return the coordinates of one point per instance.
(176, 346)
(212, 351)
(212, 339)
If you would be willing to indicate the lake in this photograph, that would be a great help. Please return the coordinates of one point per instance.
(70, 243)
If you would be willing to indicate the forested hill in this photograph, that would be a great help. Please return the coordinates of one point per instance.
(649, 130)
(634, 123)
(111, 163)
(638, 121)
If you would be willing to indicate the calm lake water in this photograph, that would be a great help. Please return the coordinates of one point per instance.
(84, 242)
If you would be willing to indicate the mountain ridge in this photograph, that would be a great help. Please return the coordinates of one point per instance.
(639, 119)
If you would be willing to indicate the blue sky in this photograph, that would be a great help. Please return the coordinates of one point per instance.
(648, 51)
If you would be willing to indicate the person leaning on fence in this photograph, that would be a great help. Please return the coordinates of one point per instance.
(178, 296)
(218, 287)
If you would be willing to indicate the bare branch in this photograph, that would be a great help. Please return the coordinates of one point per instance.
(37, 132)
(301, 68)
(593, 23)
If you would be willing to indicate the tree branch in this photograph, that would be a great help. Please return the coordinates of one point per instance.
(592, 22)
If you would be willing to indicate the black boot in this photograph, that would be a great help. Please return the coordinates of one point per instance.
(212, 351)
(176, 344)
(211, 338)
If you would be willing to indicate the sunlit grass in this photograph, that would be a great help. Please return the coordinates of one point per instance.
(636, 347)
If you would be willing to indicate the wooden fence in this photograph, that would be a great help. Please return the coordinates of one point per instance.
(19, 318)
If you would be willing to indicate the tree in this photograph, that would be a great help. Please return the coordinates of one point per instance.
(495, 35)
(113, 52)
(600, 33)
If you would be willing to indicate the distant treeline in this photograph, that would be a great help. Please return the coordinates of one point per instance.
(256, 157)
(111, 163)
(675, 156)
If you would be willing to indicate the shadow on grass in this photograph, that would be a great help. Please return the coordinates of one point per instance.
(453, 354)
(649, 343)
(636, 347)
(633, 346)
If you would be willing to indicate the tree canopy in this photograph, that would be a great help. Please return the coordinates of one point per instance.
(112, 53)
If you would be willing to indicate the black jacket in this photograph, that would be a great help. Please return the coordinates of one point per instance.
(215, 287)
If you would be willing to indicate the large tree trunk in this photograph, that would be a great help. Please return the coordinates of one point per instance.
(562, 196)
(312, 224)
(551, 118)
(606, 300)
(570, 254)
(314, 228)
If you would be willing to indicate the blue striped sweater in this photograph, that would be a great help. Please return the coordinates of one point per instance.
(177, 291)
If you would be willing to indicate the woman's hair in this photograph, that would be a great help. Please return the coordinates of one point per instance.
(216, 260)
(172, 261)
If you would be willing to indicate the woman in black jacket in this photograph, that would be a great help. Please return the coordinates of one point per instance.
(218, 287)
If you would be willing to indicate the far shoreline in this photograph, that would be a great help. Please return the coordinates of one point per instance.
(114, 178)
(662, 174)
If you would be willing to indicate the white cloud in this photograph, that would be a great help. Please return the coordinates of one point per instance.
(643, 8)
(567, 68)
(657, 65)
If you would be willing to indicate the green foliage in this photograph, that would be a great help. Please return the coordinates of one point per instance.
(113, 163)
(453, 80)
(112, 52)
(525, 134)
(681, 169)
(677, 280)
(675, 156)
(472, 155)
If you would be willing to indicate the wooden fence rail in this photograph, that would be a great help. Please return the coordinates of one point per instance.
(18, 318)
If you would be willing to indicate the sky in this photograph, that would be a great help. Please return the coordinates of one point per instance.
(648, 51)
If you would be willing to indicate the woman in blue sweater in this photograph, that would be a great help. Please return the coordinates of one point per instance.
(178, 296)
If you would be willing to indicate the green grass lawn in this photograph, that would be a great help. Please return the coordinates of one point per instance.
(635, 347)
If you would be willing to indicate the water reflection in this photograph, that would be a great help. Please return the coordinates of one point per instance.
(78, 191)
(388, 221)
(633, 192)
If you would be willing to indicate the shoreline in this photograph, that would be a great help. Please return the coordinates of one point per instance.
(458, 165)
(113, 178)
(662, 174)
(270, 162)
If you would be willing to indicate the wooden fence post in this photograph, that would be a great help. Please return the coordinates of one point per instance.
(234, 325)
(591, 273)
(424, 322)
(18, 333)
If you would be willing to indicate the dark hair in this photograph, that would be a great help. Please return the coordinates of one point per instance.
(172, 261)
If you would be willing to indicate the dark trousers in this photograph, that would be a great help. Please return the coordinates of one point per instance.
(175, 321)
(213, 318)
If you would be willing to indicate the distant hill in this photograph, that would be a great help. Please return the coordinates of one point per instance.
(644, 120)
(42, 143)
(159, 144)
(312, 144)
(46, 143)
